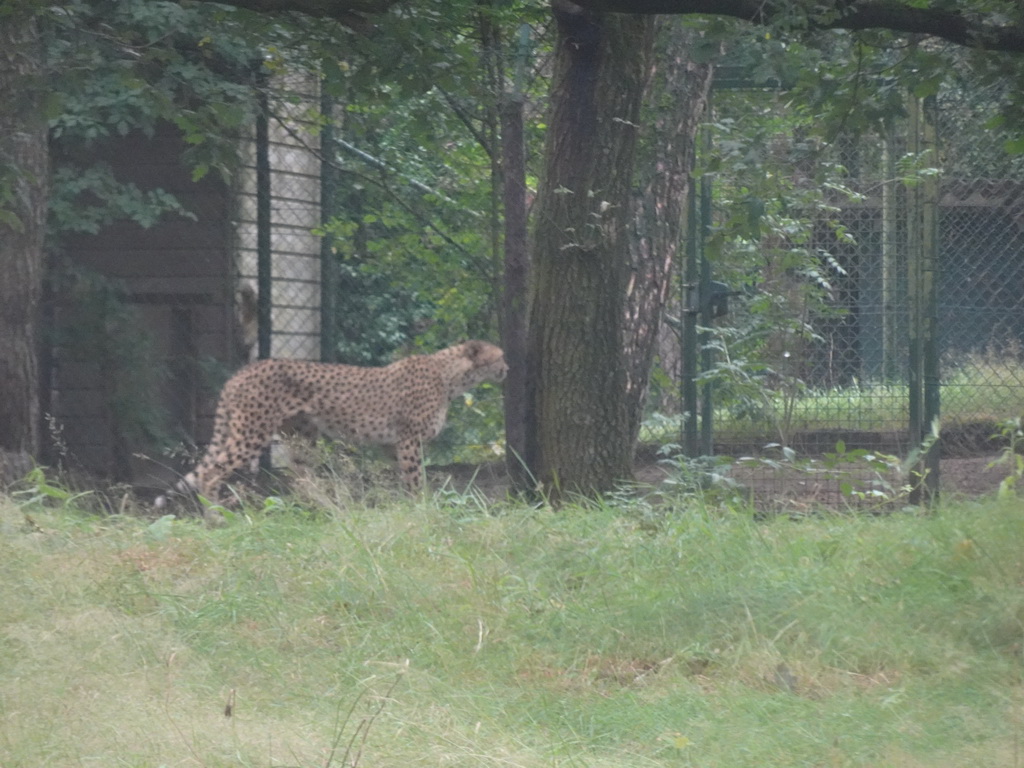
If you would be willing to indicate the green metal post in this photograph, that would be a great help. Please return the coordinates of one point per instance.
(264, 280)
(915, 371)
(264, 277)
(922, 248)
(328, 260)
(930, 302)
(691, 273)
(707, 355)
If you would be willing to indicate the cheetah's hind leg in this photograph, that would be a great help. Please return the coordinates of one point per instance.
(221, 459)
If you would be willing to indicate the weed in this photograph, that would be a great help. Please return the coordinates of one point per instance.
(39, 490)
(1012, 456)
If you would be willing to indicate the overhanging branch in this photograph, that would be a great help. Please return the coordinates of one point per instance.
(955, 26)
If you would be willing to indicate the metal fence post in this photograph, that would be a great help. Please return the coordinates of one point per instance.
(688, 353)
(707, 356)
(922, 244)
(930, 295)
(328, 260)
(264, 281)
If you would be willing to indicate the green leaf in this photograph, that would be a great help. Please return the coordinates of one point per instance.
(160, 529)
(10, 219)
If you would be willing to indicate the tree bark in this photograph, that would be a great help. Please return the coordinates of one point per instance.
(24, 170)
(676, 99)
(578, 428)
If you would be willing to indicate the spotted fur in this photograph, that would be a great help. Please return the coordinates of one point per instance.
(403, 404)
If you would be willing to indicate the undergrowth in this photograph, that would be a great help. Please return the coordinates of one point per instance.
(458, 631)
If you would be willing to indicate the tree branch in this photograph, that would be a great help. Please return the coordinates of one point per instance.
(956, 26)
(354, 14)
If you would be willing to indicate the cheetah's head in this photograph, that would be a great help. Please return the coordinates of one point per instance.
(486, 363)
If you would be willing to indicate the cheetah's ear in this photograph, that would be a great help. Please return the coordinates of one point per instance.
(473, 348)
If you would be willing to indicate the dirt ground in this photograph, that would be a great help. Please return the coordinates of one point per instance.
(771, 489)
(971, 478)
(788, 490)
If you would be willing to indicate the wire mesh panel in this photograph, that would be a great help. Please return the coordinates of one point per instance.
(981, 309)
(293, 154)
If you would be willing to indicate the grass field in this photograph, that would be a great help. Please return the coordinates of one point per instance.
(450, 632)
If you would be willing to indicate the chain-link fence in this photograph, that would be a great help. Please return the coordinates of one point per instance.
(879, 289)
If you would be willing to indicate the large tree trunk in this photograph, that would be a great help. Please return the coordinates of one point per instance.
(676, 100)
(578, 430)
(24, 172)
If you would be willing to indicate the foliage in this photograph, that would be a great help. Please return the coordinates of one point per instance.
(38, 490)
(126, 67)
(91, 198)
(414, 222)
(892, 479)
(375, 317)
(705, 477)
(866, 480)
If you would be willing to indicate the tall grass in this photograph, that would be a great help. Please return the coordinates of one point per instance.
(453, 632)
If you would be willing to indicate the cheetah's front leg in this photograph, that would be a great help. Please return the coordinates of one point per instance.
(409, 454)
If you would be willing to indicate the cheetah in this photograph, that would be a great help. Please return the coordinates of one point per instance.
(403, 404)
